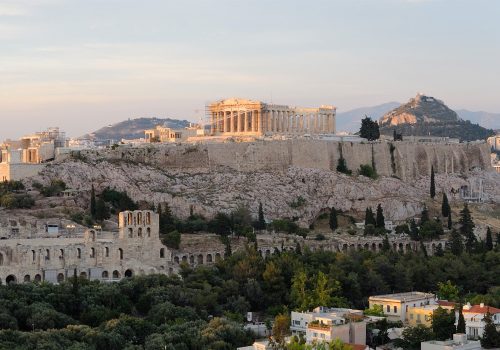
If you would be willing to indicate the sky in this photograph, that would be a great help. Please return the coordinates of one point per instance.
(85, 64)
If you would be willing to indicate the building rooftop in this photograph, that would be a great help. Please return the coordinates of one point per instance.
(480, 309)
(407, 296)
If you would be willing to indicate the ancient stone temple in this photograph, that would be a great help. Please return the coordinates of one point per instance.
(247, 117)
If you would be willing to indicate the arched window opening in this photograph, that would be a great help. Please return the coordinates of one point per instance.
(60, 277)
(33, 255)
(92, 252)
(162, 252)
(78, 253)
(139, 232)
(120, 252)
(128, 273)
(139, 218)
(106, 252)
(148, 218)
(116, 274)
(105, 274)
(27, 278)
(130, 233)
(148, 230)
(61, 253)
(47, 254)
(38, 278)
(129, 219)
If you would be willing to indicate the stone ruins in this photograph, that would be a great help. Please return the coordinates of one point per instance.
(236, 117)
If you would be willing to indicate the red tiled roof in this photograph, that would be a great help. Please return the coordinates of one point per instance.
(477, 309)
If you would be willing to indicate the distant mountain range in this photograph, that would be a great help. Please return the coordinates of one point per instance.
(351, 120)
(134, 128)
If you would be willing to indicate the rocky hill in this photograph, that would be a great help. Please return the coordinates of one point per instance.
(134, 128)
(425, 115)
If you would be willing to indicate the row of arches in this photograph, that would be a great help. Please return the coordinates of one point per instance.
(199, 259)
(395, 246)
(140, 232)
(139, 218)
(61, 254)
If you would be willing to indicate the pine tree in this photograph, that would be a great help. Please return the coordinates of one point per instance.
(433, 183)
(369, 129)
(424, 217)
(467, 228)
(450, 223)
(491, 337)
(101, 210)
(456, 245)
(461, 321)
(261, 222)
(445, 206)
(489, 239)
(380, 221)
(92, 202)
(414, 232)
(333, 219)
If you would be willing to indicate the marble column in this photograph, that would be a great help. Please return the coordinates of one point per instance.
(258, 116)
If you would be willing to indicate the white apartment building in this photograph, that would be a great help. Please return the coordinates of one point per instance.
(473, 315)
(459, 342)
(396, 305)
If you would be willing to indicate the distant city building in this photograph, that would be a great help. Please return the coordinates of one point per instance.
(248, 117)
(395, 306)
(164, 134)
(494, 142)
(422, 315)
(459, 342)
(473, 315)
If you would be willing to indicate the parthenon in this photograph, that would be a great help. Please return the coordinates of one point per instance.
(247, 117)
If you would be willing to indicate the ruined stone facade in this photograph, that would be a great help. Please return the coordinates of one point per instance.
(135, 249)
(247, 117)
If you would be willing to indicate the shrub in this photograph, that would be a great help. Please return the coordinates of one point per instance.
(368, 171)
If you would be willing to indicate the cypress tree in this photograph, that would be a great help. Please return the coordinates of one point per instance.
(445, 206)
(369, 217)
(489, 239)
(414, 232)
(424, 216)
(461, 321)
(92, 202)
(450, 223)
(433, 183)
(333, 219)
(380, 221)
(101, 210)
(467, 228)
(261, 222)
(491, 337)
(456, 245)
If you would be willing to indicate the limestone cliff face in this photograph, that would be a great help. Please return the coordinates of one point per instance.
(219, 177)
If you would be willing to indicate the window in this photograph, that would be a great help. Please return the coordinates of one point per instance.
(92, 252)
(120, 252)
(106, 252)
(395, 309)
(388, 308)
(33, 255)
(139, 232)
(162, 252)
(411, 316)
(47, 256)
(130, 232)
(78, 253)
(296, 322)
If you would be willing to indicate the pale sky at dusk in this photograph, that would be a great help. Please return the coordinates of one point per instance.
(83, 64)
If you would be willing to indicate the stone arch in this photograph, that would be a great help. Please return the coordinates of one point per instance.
(129, 219)
(218, 257)
(61, 253)
(268, 252)
(352, 247)
(78, 253)
(130, 232)
(27, 278)
(33, 255)
(148, 231)
(359, 247)
(367, 246)
(116, 274)
(92, 252)
(139, 232)
(170, 271)
(344, 247)
(401, 247)
(139, 218)
(260, 252)
(128, 273)
(47, 254)
(374, 247)
(184, 259)
(433, 247)
(38, 278)
(162, 252)
(120, 253)
(209, 258)
(148, 218)
(200, 259)
(152, 271)
(106, 252)
(394, 246)
(408, 247)
(176, 259)
(11, 279)
(60, 277)
(83, 274)
(440, 245)
(380, 246)
(105, 274)
(191, 259)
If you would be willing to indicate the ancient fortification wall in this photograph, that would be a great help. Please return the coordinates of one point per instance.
(406, 160)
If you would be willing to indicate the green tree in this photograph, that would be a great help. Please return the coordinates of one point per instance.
(461, 321)
(369, 129)
(375, 310)
(171, 239)
(443, 323)
(445, 206)
(333, 219)
(489, 239)
(368, 171)
(261, 222)
(299, 292)
(433, 183)
(370, 217)
(450, 222)
(424, 217)
(448, 291)
(281, 328)
(380, 221)
(414, 231)
(92, 202)
(467, 228)
(386, 246)
(101, 210)
(413, 336)
(342, 166)
(491, 337)
(456, 244)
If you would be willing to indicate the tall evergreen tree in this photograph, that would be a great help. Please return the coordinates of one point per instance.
(261, 222)
(461, 321)
(433, 183)
(424, 217)
(423, 249)
(450, 222)
(414, 231)
(456, 245)
(489, 239)
(370, 217)
(445, 206)
(380, 221)
(443, 323)
(333, 219)
(101, 210)
(467, 228)
(491, 337)
(92, 202)
(369, 129)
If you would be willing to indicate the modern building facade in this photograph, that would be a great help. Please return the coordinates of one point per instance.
(396, 305)
(236, 116)
(474, 315)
